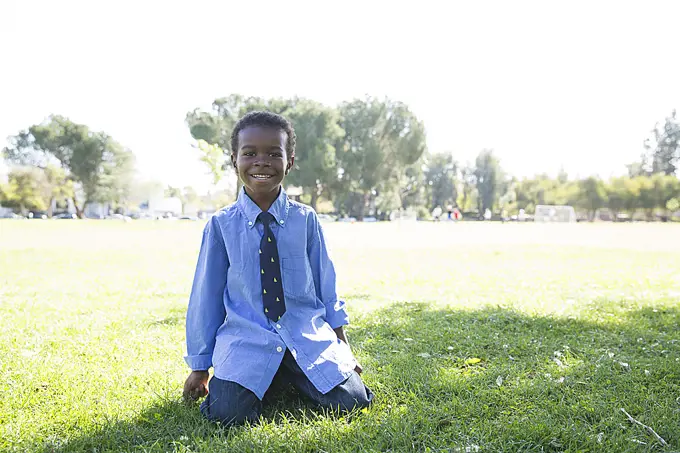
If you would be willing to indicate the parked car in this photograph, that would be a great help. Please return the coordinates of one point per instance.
(11, 215)
(119, 217)
(37, 215)
(64, 215)
(189, 217)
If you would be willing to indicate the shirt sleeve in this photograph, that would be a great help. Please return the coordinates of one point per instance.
(206, 310)
(323, 272)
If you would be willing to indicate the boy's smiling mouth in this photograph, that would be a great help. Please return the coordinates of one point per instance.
(261, 176)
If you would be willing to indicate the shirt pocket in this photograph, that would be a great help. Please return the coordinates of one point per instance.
(297, 276)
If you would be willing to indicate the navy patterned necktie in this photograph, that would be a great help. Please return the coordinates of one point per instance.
(270, 272)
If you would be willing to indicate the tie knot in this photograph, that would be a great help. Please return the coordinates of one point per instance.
(266, 218)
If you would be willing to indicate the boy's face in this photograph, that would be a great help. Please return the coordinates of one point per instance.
(261, 160)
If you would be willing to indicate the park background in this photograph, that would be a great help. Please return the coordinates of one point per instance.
(477, 336)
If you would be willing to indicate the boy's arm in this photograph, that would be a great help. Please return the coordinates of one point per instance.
(324, 281)
(206, 311)
(323, 272)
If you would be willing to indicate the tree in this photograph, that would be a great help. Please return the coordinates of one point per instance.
(173, 192)
(509, 195)
(468, 193)
(55, 186)
(382, 138)
(214, 158)
(24, 190)
(412, 186)
(318, 132)
(190, 200)
(440, 177)
(616, 196)
(622, 195)
(593, 195)
(666, 187)
(647, 198)
(664, 146)
(673, 205)
(488, 178)
(99, 167)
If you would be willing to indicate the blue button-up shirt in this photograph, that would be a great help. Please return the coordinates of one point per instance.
(226, 327)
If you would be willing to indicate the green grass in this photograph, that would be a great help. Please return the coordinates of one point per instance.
(458, 328)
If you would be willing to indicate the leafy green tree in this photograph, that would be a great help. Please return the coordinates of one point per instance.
(507, 201)
(468, 193)
(55, 186)
(646, 195)
(214, 158)
(632, 196)
(542, 189)
(622, 195)
(412, 186)
(440, 177)
(215, 127)
(100, 168)
(318, 132)
(488, 178)
(593, 195)
(616, 196)
(673, 205)
(173, 192)
(25, 190)
(666, 187)
(664, 146)
(382, 139)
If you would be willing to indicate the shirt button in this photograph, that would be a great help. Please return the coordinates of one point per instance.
(281, 222)
(278, 326)
(279, 349)
(250, 223)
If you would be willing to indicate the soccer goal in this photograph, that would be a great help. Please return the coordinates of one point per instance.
(551, 213)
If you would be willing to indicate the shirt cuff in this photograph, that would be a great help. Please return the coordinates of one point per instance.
(336, 314)
(199, 362)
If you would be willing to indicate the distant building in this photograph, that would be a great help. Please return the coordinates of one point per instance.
(165, 206)
(95, 210)
(294, 193)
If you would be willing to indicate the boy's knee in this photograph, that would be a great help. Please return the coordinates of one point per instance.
(352, 394)
(228, 414)
(231, 404)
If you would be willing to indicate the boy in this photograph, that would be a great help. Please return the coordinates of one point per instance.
(263, 302)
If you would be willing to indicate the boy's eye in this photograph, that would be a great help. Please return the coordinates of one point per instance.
(276, 154)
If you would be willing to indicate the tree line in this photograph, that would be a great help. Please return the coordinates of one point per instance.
(364, 157)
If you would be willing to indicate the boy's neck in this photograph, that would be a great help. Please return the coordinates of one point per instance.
(264, 201)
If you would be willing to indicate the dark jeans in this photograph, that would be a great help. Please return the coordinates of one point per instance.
(232, 404)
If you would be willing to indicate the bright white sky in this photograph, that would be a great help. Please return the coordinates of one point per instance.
(574, 84)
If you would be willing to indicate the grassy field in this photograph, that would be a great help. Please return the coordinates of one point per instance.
(474, 337)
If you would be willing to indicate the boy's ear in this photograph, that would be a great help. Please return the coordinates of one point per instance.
(291, 161)
(233, 159)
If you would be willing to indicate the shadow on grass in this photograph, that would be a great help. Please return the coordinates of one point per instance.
(168, 321)
(443, 378)
(358, 296)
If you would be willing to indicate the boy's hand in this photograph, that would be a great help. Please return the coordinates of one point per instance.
(196, 385)
(340, 332)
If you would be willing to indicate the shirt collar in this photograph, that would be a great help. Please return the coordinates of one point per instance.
(279, 209)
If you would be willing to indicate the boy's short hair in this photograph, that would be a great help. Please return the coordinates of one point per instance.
(265, 119)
